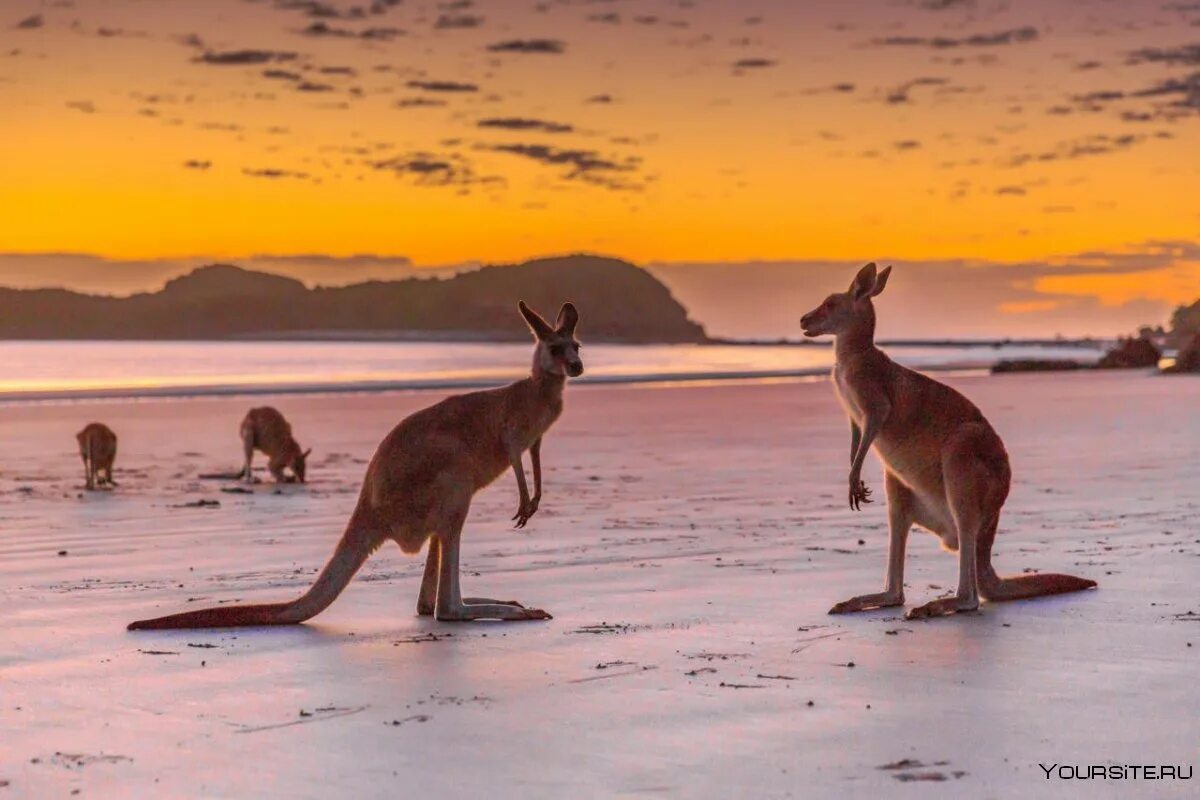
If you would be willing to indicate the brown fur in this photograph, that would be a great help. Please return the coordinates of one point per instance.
(945, 468)
(419, 486)
(265, 429)
(98, 449)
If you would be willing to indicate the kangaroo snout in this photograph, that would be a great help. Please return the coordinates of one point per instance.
(575, 369)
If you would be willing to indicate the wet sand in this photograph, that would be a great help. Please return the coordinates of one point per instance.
(689, 543)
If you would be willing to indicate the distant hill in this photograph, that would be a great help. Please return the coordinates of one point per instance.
(617, 302)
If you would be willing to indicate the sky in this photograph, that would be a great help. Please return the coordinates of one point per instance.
(1031, 167)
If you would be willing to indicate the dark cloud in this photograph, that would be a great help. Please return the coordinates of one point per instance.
(944, 5)
(443, 86)
(274, 173)
(320, 10)
(1013, 191)
(906, 144)
(547, 46)
(196, 164)
(457, 21)
(608, 18)
(429, 169)
(30, 23)
(311, 86)
(419, 102)
(85, 106)
(324, 29)
(243, 57)
(1011, 36)
(900, 94)
(586, 165)
(522, 124)
(1184, 55)
(754, 63)
(1095, 145)
(281, 75)
(600, 98)
(347, 71)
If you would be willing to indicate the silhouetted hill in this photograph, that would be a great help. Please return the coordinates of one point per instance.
(617, 302)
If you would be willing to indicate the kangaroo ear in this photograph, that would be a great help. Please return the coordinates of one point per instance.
(568, 318)
(881, 281)
(305, 453)
(863, 282)
(541, 328)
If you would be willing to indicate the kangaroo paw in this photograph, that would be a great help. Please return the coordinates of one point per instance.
(868, 602)
(942, 607)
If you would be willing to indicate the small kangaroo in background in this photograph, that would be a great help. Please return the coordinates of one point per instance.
(98, 449)
(265, 429)
(420, 483)
(945, 468)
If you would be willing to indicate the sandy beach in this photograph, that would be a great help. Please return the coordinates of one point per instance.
(690, 542)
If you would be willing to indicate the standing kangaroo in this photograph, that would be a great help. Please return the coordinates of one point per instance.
(98, 449)
(945, 468)
(265, 429)
(420, 483)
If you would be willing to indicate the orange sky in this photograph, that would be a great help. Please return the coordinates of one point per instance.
(444, 133)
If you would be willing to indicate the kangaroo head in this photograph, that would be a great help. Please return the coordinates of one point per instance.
(842, 310)
(299, 464)
(557, 350)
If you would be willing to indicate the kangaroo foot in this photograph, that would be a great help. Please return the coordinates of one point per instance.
(943, 607)
(483, 601)
(868, 602)
(468, 612)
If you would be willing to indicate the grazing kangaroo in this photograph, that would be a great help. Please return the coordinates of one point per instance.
(98, 449)
(945, 468)
(419, 487)
(265, 429)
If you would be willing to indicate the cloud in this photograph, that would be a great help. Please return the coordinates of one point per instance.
(429, 169)
(608, 18)
(310, 86)
(281, 75)
(901, 94)
(906, 144)
(585, 165)
(753, 63)
(196, 164)
(443, 86)
(85, 106)
(274, 173)
(522, 124)
(601, 99)
(1011, 36)
(419, 102)
(944, 5)
(324, 29)
(457, 21)
(30, 23)
(244, 57)
(545, 46)
(1094, 145)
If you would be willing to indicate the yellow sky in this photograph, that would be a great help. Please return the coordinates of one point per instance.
(919, 130)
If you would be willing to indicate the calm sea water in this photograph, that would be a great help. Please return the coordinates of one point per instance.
(40, 370)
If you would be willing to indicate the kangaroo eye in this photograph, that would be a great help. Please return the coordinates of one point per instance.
(556, 350)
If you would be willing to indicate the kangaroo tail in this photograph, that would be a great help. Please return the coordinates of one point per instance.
(351, 553)
(997, 589)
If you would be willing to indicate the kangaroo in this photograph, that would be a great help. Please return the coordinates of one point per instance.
(419, 487)
(945, 468)
(98, 449)
(265, 429)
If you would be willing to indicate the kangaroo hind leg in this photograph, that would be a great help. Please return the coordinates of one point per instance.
(900, 501)
(449, 605)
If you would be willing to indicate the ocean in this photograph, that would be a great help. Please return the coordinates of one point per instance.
(60, 370)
